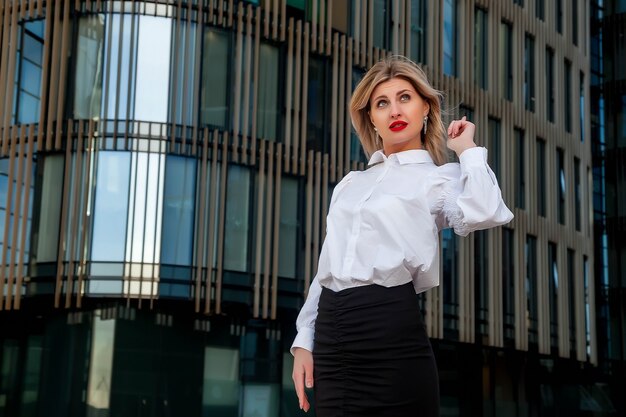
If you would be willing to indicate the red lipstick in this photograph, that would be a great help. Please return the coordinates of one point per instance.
(397, 126)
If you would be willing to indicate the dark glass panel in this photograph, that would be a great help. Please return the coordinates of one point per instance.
(215, 89)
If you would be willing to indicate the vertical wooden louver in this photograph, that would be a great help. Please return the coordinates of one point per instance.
(300, 42)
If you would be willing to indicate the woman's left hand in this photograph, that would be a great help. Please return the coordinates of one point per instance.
(461, 135)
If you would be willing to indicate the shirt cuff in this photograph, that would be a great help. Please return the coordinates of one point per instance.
(304, 339)
(473, 157)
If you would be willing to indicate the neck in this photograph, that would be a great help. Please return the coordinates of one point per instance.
(389, 149)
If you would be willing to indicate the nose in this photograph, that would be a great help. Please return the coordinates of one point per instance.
(395, 111)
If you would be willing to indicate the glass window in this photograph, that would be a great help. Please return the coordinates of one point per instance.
(318, 117)
(581, 106)
(529, 73)
(215, 89)
(481, 50)
(450, 285)
(184, 57)
(550, 83)
(178, 210)
(268, 103)
(541, 177)
(101, 365)
(356, 149)
(553, 290)
(508, 286)
(540, 9)
(221, 385)
(145, 214)
(28, 72)
(153, 69)
(520, 162)
(531, 290)
(506, 60)
(561, 185)
(419, 29)
(110, 211)
(50, 208)
(15, 215)
(577, 193)
(288, 243)
(575, 22)
(571, 283)
(450, 54)
(88, 70)
(137, 84)
(382, 25)
(237, 227)
(481, 277)
(494, 146)
(559, 15)
(587, 306)
(567, 104)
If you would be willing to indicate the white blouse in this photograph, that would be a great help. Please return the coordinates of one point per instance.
(383, 223)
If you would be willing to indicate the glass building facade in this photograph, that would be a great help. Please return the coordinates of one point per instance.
(165, 174)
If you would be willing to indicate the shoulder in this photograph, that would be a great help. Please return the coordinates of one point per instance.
(445, 172)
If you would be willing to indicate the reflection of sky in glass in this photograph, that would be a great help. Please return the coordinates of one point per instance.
(153, 68)
(111, 204)
(144, 214)
(144, 86)
(117, 63)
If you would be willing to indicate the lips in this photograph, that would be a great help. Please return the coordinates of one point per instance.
(397, 126)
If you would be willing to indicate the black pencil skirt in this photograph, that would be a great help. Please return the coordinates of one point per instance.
(372, 356)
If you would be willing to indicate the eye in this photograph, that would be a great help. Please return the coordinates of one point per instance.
(405, 97)
(381, 103)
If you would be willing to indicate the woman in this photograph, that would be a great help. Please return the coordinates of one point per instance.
(361, 340)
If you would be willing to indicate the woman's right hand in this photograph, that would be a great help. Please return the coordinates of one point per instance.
(302, 375)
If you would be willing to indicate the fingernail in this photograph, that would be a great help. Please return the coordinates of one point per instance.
(309, 384)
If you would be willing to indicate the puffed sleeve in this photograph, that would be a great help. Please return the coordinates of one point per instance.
(305, 323)
(465, 196)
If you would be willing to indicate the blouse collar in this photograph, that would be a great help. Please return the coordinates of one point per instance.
(411, 156)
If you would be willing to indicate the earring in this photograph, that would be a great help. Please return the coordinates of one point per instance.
(425, 124)
(378, 141)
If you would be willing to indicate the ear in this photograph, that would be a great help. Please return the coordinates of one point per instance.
(426, 108)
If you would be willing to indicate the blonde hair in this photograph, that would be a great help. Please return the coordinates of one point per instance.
(397, 66)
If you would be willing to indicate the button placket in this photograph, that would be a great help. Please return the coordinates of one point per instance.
(356, 223)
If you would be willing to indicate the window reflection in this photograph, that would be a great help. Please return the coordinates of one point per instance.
(101, 366)
(137, 67)
(450, 254)
(28, 72)
(153, 68)
(178, 210)
(268, 109)
(143, 233)
(47, 235)
(449, 37)
(236, 230)
(220, 390)
(184, 57)
(15, 215)
(215, 79)
(111, 206)
(88, 71)
(289, 225)
(318, 118)
(418, 30)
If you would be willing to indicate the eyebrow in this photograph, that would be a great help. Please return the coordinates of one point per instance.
(397, 94)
